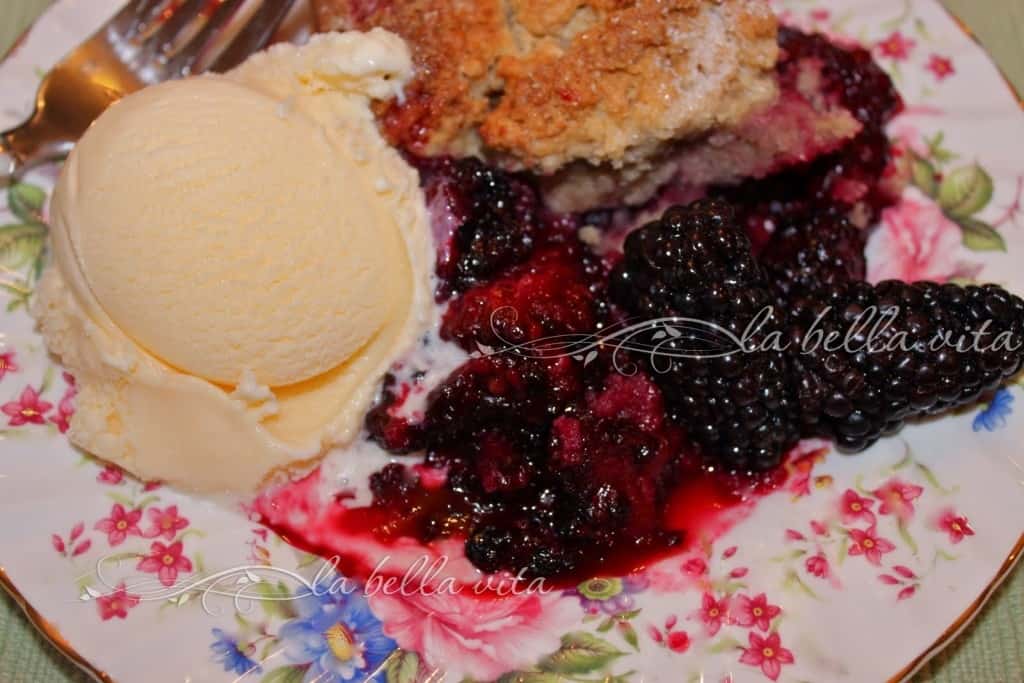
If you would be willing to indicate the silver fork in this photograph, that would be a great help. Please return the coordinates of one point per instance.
(147, 42)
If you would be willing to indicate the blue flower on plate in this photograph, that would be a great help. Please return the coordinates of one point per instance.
(336, 636)
(227, 652)
(994, 416)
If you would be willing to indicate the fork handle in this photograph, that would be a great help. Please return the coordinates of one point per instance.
(29, 145)
(7, 163)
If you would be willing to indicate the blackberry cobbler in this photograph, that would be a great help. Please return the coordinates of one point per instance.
(565, 465)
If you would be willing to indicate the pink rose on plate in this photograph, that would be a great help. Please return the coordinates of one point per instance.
(477, 638)
(909, 137)
(915, 242)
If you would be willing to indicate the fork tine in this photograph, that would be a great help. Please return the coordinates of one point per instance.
(164, 36)
(134, 16)
(183, 62)
(255, 35)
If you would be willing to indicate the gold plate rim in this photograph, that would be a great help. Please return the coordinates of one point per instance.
(974, 38)
(965, 618)
(49, 631)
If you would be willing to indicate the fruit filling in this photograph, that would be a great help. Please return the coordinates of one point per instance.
(602, 456)
(858, 180)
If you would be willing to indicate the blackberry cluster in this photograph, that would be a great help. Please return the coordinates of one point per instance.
(558, 291)
(857, 360)
(807, 256)
(548, 467)
(911, 350)
(596, 488)
(695, 264)
(497, 217)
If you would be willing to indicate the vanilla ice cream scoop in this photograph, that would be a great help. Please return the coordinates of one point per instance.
(237, 261)
(224, 237)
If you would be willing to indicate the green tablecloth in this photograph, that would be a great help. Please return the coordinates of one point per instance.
(992, 649)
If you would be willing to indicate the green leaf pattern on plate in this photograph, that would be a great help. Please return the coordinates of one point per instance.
(962, 193)
(22, 244)
(581, 653)
(404, 667)
(965, 191)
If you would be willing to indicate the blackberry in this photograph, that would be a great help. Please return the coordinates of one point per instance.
(696, 263)
(391, 484)
(522, 545)
(855, 179)
(599, 487)
(552, 294)
(813, 253)
(503, 394)
(851, 361)
(394, 433)
(849, 74)
(499, 226)
(850, 181)
(490, 548)
(486, 220)
(547, 467)
(908, 350)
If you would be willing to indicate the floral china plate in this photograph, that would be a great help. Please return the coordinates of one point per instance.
(858, 569)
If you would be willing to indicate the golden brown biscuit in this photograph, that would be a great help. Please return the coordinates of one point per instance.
(542, 84)
(456, 45)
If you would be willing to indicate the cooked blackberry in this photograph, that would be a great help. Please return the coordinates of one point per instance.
(850, 74)
(854, 180)
(490, 548)
(393, 432)
(499, 228)
(810, 254)
(598, 487)
(552, 294)
(490, 219)
(548, 467)
(504, 394)
(850, 181)
(391, 483)
(901, 354)
(696, 263)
